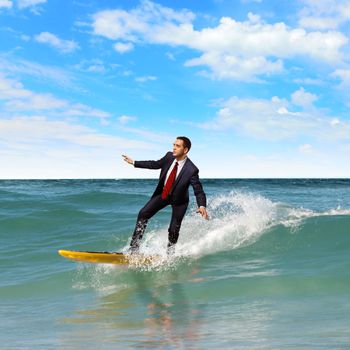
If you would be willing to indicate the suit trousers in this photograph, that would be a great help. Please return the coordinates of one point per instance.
(152, 207)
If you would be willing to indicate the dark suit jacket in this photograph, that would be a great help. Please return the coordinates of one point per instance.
(188, 176)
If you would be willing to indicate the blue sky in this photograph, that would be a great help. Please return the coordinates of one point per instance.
(260, 87)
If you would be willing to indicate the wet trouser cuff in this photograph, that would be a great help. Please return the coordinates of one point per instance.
(170, 249)
(140, 228)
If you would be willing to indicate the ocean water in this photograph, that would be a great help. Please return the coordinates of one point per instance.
(269, 270)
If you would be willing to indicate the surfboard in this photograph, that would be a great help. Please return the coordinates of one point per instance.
(109, 257)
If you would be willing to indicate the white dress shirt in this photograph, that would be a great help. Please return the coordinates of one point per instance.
(179, 168)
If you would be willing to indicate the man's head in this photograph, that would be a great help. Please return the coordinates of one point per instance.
(181, 147)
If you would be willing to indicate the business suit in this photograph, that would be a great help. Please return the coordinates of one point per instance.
(178, 197)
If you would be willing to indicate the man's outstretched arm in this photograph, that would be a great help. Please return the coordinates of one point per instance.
(148, 164)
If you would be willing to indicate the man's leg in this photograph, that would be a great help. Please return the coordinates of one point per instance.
(179, 211)
(151, 208)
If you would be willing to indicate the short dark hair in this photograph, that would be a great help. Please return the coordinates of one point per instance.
(186, 141)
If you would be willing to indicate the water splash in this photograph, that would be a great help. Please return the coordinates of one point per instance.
(237, 219)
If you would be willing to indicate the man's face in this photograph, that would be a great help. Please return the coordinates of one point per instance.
(178, 148)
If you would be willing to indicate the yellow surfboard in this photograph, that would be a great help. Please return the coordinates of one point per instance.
(109, 258)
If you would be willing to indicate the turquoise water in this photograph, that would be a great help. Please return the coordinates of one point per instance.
(269, 270)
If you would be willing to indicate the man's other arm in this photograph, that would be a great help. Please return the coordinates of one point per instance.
(200, 195)
(198, 190)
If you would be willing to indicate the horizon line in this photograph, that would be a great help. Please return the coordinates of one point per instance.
(157, 178)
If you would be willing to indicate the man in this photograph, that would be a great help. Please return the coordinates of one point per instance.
(176, 175)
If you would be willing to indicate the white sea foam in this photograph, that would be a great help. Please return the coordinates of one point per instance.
(236, 219)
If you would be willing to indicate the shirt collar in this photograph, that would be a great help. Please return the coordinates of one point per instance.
(181, 162)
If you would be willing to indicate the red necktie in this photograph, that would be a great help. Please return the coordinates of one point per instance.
(170, 182)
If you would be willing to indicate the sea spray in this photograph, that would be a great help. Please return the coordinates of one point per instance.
(236, 219)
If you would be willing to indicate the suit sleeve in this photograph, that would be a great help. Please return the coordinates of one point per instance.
(151, 164)
(198, 190)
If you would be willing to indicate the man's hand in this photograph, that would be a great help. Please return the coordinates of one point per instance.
(127, 159)
(203, 212)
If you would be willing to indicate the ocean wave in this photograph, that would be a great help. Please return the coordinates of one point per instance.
(237, 219)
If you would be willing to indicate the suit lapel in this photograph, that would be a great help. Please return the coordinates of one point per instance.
(166, 169)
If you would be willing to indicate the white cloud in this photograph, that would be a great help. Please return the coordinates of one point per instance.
(43, 72)
(119, 24)
(278, 119)
(96, 68)
(232, 49)
(233, 67)
(20, 99)
(316, 164)
(318, 23)
(303, 98)
(93, 66)
(335, 121)
(265, 119)
(305, 148)
(64, 46)
(324, 14)
(160, 137)
(308, 81)
(79, 109)
(38, 128)
(125, 119)
(144, 79)
(10, 88)
(123, 47)
(344, 76)
(29, 3)
(127, 73)
(5, 4)
(36, 102)
(36, 147)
